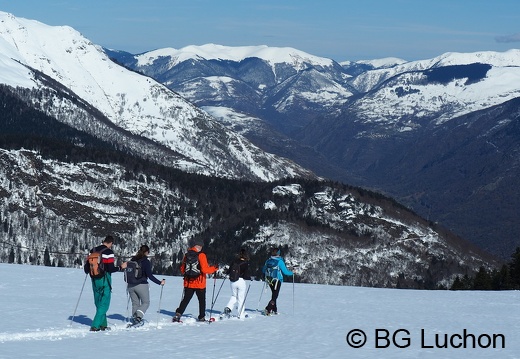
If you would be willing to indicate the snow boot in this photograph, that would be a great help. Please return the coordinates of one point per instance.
(136, 322)
(227, 312)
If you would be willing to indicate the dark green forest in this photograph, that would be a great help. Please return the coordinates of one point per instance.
(505, 278)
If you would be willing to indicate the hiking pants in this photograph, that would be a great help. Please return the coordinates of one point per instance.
(140, 296)
(102, 288)
(275, 290)
(238, 295)
(201, 296)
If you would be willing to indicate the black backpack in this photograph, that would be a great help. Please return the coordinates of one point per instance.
(234, 271)
(192, 265)
(133, 272)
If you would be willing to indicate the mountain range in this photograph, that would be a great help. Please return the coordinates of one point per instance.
(439, 135)
(89, 147)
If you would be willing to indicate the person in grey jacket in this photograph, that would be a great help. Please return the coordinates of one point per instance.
(139, 291)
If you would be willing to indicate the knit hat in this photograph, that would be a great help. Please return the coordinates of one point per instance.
(195, 242)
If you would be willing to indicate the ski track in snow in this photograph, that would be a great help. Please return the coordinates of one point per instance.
(54, 334)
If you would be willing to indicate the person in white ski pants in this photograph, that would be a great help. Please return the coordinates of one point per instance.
(238, 295)
(238, 274)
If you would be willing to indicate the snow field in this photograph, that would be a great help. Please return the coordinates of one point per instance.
(38, 303)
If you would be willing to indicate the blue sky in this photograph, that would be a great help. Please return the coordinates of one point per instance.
(337, 29)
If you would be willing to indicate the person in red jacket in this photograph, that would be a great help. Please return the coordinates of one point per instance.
(195, 284)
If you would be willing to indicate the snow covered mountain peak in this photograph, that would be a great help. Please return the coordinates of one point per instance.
(376, 63)
(498, 59)
(272, 55)
(129, 101)
(441, 88)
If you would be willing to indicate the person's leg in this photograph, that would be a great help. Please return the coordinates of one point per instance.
(201, 295)
(143, 293)
(188, 293)
(233, 300)
(275, 291)
(102, 294)
(134, 297)
(241, 296)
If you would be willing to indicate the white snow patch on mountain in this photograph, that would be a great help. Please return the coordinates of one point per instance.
(293, 189)
(376, 63)
(273, 55)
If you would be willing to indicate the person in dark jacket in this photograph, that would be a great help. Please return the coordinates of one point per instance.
(274, 269)
(195, 285)
(238, 284)
(102, 287)
(140, 291)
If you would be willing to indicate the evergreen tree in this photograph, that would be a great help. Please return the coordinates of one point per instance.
(482, 280)
(467, 282)
(514, 269)
(502, 279)
(457, 284)
(47, 258)
(11, 256)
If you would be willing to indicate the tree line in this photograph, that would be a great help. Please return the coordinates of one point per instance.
(505, 278)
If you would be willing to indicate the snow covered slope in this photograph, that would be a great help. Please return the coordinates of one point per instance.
(315, 321)
(64, 60)
(361, 118)
(272, 55)
(283, 78)
(411, 94)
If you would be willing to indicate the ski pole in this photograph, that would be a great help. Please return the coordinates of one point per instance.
(212, 297)
(293, 293)
(159, 309)
(80, 293)
(245, 298)
(261, 293)
(127, 305)
(214, 301)
(213, 293)
(220, 288)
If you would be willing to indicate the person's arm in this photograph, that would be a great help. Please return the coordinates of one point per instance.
(183, 265)
(246, 275)
(147, 270)
(284, 269)
(229, 267)
(205, 268)
(108, 258)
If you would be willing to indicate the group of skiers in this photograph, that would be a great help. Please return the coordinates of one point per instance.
(194, 267)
